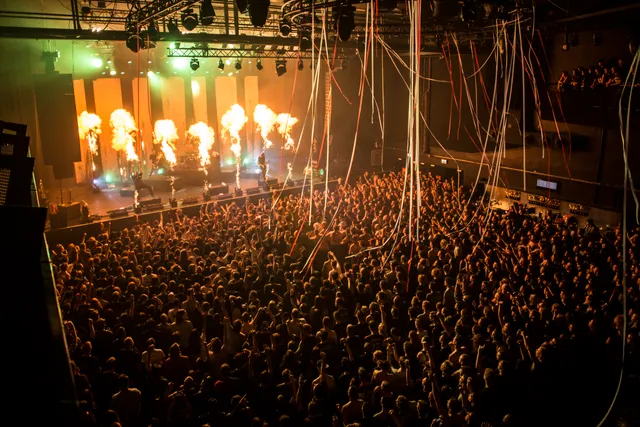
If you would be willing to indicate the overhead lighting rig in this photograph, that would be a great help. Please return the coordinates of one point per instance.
(238, 54)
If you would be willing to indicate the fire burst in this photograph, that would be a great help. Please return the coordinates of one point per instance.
(265, 118)
(89, 127)
(204, 134)
(166, 134)
(285, 123)
(124, 130)
(232, 122)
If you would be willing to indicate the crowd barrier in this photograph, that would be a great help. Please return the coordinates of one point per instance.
(74, 233)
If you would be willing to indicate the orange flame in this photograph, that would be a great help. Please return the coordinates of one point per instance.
(123, 137)
(166, 134)
(204, 134)
(285, 123)
(265, 118)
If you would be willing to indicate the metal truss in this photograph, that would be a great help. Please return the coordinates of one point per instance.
(158, 9)
(278, 53)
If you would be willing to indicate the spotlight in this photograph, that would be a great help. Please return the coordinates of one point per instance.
(195, 64)
(446, 10)
(220, 64)
(96, 62)
(304, 38)
(172, 27)
(238, 64)
(85, 9)
(344, 21)
(134, 42)
(281, 67)
(50, 59)
(207, 14)
(285, 27)
(300, 65)
(259, 65)
(258, 12)
(241, 5)
(189, 20)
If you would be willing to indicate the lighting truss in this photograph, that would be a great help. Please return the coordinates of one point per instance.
(200, 52)
(158, 9)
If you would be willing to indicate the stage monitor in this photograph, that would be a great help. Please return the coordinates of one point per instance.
(547, 185)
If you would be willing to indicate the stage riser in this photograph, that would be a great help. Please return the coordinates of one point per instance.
(75, 233)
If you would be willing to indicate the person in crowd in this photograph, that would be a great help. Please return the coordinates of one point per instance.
(268, 317)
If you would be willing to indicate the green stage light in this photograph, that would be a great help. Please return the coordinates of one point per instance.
(161, 171)
(245, 161)
(180, 63)
(108, 178)
(321, 172)
(96, 62)
(230, 162)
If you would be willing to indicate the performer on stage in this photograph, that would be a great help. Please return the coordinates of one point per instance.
(139, 184)
(262, 162)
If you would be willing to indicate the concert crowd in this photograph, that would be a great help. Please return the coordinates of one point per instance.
(275, 314)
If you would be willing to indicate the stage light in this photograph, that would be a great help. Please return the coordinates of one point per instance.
(113, 72)
(258, 12)
(220, 65)
(134, 42)
(207, 14)
(230, 162)
(285, 27)
(180, 63)
(321, 172)
(241, 5)
(161, 171)
(281, 67)
(304, 39)
(150, 73)
(245, 161)
(189, 20)
(50, 59)
(172, 27)
(96, 62)
(238, 64)
(228, 62)
(300, 65)
(344, 21)
(446, 10)
(108, 178)
(194, 64)
(230, 74)
(259, 65)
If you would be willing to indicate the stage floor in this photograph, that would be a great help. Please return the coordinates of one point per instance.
(109, 199)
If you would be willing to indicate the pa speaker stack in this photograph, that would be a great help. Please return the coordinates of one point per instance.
(217, 190)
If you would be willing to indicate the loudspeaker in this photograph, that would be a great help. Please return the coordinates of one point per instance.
(71, 211)
(376, 157)
(219, 189)
(15, 180)
(224, 196)
(8, 128)
(252, 191)
(118, 213)
(57, 121)
(145, 203)
(189, 201)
